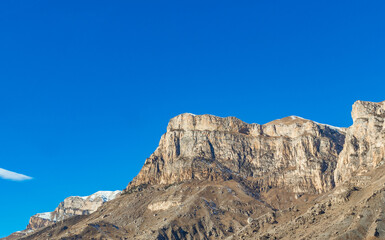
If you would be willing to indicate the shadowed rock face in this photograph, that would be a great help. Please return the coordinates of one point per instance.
(364, 148)
(297, 154)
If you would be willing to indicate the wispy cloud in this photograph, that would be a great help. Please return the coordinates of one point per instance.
(5, 174)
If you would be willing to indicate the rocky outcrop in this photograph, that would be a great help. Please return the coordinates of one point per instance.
(39, 221)
(294, 153)
(72, 206)
(364, 147)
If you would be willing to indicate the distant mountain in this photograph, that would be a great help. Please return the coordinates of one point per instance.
(222, 178)
(71, 206)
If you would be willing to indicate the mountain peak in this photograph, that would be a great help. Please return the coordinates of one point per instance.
(365, 109)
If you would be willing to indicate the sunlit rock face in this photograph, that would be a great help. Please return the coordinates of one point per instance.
(297, 154)
(364, 147)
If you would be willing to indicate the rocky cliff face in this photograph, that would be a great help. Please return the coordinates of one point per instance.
(364, 148)
(292, 153)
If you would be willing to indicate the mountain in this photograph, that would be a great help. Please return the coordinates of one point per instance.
(222, 178)
(71, 206)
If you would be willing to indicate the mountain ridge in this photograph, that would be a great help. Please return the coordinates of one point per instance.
(222, 178)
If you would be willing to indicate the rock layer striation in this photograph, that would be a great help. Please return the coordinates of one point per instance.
(293, 153)
(364, 148)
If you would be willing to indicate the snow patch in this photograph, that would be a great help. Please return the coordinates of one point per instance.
(295, 117)
(45, 215)
(104, 195)
(330, 126)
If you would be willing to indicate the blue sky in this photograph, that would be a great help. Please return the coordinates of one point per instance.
(87, 87)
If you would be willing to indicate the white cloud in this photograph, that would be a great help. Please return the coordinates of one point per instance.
(5, 174)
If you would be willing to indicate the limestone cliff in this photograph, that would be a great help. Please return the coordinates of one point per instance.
(364, 148)
(297, 154)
